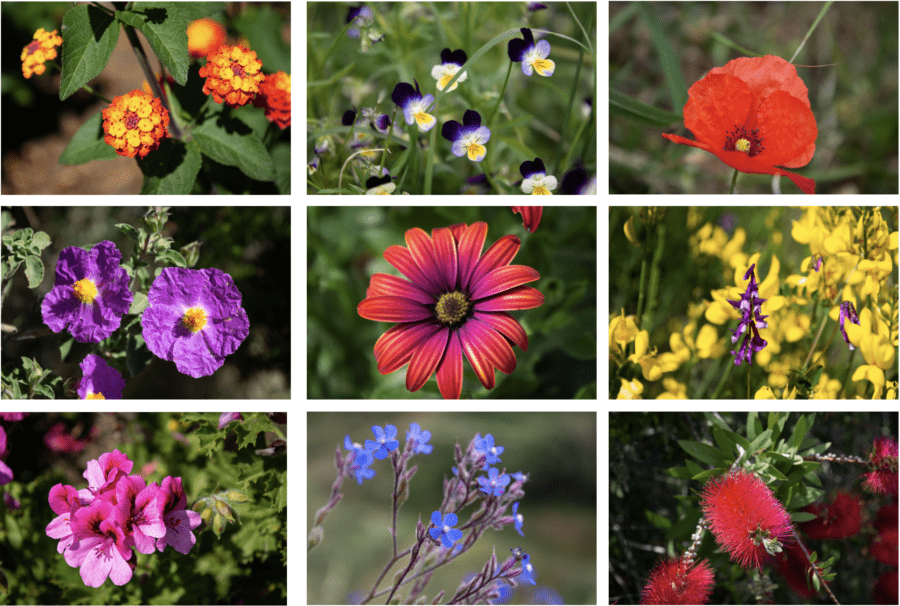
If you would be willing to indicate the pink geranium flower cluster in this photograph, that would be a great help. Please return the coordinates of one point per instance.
(97, 526)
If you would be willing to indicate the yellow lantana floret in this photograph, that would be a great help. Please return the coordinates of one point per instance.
(41, 49)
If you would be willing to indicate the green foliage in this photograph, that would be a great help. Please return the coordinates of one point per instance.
(23, 248)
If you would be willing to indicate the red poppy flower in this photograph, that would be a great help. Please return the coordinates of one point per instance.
(754, 115)
(455, 302)
(746, 518)
(884, 459)
(673, 582)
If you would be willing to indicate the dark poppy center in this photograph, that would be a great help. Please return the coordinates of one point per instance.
(452, 308)
(743, 140)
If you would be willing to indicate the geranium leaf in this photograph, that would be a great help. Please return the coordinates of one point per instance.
(89, 37)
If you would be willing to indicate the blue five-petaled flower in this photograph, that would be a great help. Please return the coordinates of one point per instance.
(384, 442)
(495, 484)
(527, 575)
(467, 138)
(486, 447)
(419, 438)
(445, 531)
(518, 518)
(533, 56)
(359, 466)
(414, 105)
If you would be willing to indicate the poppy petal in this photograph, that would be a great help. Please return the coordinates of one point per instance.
(789, 128)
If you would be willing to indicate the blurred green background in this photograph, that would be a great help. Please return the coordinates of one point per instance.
(642, 446)
(251, 244)
(658, 50)
(687, 280)
(558, 450)
(345, 247)
(531, 120)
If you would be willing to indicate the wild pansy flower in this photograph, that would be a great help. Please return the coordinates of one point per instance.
(750, 307)
(531, 216)
(195, 319)
(380, 186)
(360, 138)
(91, 293)
(451, 63)
(577, 182)
(532, 56)
(99, 381)
(361, 16)
(535, 6)
(751, 100)
(537, 182)
(414, 105)
(454, 303)
(468, 137)
(848, 311)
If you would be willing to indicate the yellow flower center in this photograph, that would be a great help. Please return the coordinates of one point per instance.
(194, 319)
(742, 145)
(452, 308)
(85, 291)
(94, 396)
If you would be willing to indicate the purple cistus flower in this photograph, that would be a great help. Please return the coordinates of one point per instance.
(100, 381)
(848, 311)
(750, 307)
(91, 293)
(195, 319)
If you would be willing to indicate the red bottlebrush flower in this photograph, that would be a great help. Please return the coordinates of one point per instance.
(884, 547)
(836, 520)
(886, 517)
(795, 568)
(746, 518)
(886, 588)
(531, 216)
(673, 582)
(754, 115)
(884, 459)
(455, 302)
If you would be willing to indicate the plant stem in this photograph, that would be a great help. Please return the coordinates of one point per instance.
(499, 98)
(734, 180)
(151, 78)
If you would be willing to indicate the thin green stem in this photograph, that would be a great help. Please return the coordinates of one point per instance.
(565, 126)
(723, 381)
(148, 73)
(499, 98)
(749, 368)
(655, 273)
(429, 160)
(812, 28)
(734, 181)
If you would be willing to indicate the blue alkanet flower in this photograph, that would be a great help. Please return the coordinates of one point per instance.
(486, 447)
(451, 63)
(518, 518)
(445, 531)
(527, 575)
(495, 484)
(532, 56)
(848, 312)
(414, 105)
(384, 442)
(536, 180)
(750, 306)
(468, 137)
(419, 438)
(359, 465)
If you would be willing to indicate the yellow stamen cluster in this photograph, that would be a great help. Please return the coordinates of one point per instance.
(41, 49)
(233, 75)
(194, 319)
(85, 290)
(135, 124)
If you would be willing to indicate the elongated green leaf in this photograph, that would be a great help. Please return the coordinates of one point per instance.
(753, 425)
(799, 432)
(724, 441)
(623, 106)
(703, 452)
(89, 37)
(88, 144)
(657, 520)
(171, 169)
(231, 142)
(668, 58)
(679, 472)
(704, 475)
(166, 30)
(776, 424)
(527, 153)
(773, 471)
(762, 441)
(803, 516)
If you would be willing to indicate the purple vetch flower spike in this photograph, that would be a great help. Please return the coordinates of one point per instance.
(818, 264)
(848, 311)
(750, 306)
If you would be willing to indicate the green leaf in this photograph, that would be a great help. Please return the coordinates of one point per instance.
(657, 520)
(89, 38)
(803, 516)
(725, 443)
(753, 425)
(761, 442)
(281, 158)
(41, 240)
(232, 143)
(166, 30)
(773, 471)
(138, 304)
(776, 423)
(137, 355)
(524, 150)
(171, 257)
(171, 169)
(623, 106)
(34, 271)
(679, 472)
(669, 60)
(88, 144)
(703, 452)
(799, 432)
(703, 475)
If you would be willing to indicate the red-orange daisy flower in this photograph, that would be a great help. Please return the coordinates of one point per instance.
(455, 302)
(754, 115)
(674, 582)
(746, 518)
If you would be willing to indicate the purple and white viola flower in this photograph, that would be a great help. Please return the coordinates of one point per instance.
(532, 56)
(468, 138)
(451, 63)
(414, 105)
(536, 180)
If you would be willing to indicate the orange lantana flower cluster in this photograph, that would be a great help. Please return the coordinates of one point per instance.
(233, 75)
(135, 124)
(41, 49)
(204, 36)
(275, 96)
